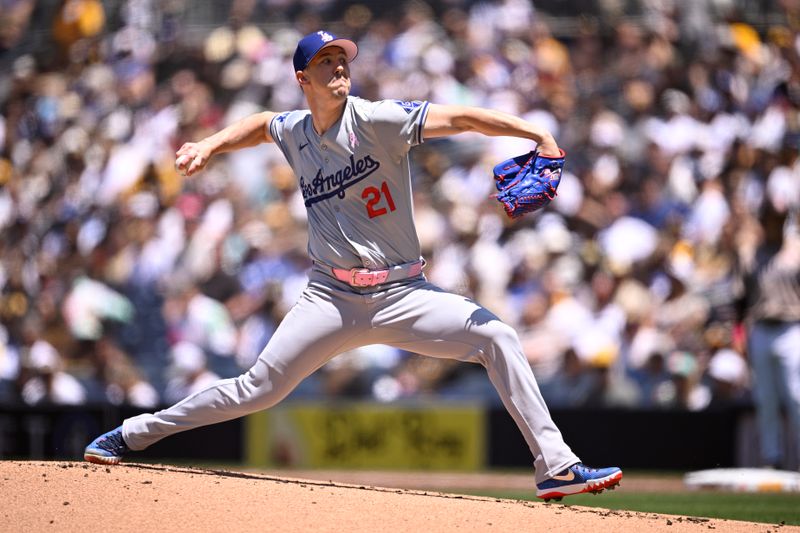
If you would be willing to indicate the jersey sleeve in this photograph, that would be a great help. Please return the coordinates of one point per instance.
(399, 124)
(277, 130)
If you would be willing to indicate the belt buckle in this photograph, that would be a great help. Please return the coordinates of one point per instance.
(356, 271)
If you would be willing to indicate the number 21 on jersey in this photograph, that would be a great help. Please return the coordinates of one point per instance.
(378, 200)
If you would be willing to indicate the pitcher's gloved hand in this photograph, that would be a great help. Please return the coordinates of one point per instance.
(528, 182)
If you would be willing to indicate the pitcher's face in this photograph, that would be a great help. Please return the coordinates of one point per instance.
(329, 72)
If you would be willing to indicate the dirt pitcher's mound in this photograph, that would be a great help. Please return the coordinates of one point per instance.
(80, 497)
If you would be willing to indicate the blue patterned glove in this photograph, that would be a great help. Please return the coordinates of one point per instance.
(527, 182)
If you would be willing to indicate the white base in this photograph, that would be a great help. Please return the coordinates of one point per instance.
(744, 480)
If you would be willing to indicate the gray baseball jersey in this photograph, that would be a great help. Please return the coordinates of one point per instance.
(356, 181)
(356, 184)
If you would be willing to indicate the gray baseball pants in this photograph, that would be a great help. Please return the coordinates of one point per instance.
(331, 317)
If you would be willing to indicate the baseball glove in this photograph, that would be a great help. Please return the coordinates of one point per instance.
(527, 182)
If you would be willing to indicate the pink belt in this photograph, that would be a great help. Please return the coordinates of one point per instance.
(364, 277)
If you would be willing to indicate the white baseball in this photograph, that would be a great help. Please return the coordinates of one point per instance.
(182, 163)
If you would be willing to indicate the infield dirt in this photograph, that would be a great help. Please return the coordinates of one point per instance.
(81, 497)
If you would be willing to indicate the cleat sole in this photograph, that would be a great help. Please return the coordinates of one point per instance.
(609, 483)
(101, 460)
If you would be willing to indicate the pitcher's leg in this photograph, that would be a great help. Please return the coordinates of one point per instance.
(310, 334)
(511, 374)
(432, 322)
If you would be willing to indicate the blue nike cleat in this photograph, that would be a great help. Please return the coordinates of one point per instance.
(576, 479)
(107, 449)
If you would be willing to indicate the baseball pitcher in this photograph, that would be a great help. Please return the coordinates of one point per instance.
(367, 285)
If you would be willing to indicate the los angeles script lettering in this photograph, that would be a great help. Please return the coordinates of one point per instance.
(324, 186)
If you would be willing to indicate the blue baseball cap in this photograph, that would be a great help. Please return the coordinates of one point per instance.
(311, 44)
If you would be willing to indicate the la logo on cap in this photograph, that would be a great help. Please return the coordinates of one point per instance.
(311, 44)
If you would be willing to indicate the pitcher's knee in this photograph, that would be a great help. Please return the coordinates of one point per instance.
(263, 386)
(501, 341)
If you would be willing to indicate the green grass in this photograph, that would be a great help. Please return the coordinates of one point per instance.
(772, 508)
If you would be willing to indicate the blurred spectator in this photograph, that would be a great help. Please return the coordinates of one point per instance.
(573, 385)
(189, 372)
(14, 19)
(78, 19)
(652, 378)
(44, 379)
(120, 380)
(729, 379)
(89, 303)
(685, 389)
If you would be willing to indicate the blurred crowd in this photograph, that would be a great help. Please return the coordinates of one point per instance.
(121, 282)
